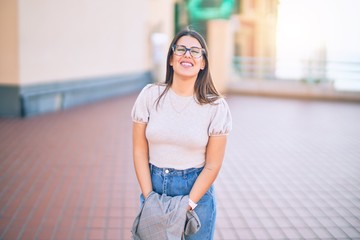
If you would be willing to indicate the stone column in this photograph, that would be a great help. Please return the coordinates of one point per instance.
(220, 43)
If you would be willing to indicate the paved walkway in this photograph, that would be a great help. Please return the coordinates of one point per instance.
(292, 171)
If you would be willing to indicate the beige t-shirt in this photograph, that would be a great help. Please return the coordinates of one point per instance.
(178, 129)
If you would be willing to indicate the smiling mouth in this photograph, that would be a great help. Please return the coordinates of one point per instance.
(186, 64)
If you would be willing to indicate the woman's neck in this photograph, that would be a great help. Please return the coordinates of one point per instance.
(183, 87)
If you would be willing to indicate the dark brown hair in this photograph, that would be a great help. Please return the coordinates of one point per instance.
(204, 88)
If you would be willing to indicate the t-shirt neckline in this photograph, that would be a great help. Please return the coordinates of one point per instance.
(179, 96)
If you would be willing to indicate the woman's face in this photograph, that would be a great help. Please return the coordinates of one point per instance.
(187, 66)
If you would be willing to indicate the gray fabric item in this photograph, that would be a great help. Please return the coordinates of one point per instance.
(192, 224)
(165, 218)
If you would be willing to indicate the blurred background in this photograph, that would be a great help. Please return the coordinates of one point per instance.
(290, 70)
(60, 54)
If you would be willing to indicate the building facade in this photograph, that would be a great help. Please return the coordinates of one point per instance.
(59, 54)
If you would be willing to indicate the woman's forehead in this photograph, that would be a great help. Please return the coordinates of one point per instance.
(188, 41)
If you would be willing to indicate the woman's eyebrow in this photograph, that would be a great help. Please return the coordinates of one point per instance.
(189, 47)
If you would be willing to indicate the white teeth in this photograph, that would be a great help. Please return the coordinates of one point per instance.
(186, 64)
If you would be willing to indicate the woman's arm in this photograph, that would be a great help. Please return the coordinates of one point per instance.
(141, 158)
(215, 152)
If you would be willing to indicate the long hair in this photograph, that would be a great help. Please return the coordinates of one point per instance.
(204, 88)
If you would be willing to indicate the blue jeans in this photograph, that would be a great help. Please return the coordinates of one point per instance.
(174, 182)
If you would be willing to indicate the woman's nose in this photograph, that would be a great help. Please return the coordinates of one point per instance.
(187, 53)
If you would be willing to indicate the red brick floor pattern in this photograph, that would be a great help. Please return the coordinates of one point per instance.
(291, 172)
(68, 175)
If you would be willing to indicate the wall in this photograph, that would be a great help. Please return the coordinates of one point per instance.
(59, 54)
(161, 30)
(9, 62)
(66, 40)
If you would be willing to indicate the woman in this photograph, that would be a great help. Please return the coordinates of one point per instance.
(180, 130)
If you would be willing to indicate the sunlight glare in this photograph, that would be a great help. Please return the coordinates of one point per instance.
(318, 30)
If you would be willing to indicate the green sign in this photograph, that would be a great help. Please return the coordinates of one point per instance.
(197, 12)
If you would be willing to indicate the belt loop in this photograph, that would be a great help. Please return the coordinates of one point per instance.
(151, 167)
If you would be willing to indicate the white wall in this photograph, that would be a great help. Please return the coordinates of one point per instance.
(67, 40)
(161, 27)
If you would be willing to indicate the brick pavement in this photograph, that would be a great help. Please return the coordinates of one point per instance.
(291, 172)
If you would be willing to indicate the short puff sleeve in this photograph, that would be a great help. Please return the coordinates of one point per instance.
(141, 112)
(221, 122)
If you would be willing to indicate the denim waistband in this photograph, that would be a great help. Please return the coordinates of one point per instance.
(172, 171)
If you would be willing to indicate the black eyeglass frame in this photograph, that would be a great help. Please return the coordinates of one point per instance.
(188, 49)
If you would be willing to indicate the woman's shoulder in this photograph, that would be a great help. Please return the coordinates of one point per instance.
(219, 106)
(216, 100)
(153, 90)
(154, 87)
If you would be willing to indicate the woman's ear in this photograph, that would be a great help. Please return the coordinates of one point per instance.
(203, 64)
(171, 61)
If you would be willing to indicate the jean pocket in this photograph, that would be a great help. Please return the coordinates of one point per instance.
(157, 183)
(208, 196)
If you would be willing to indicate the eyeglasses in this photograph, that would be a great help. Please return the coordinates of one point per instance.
(181, 50)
